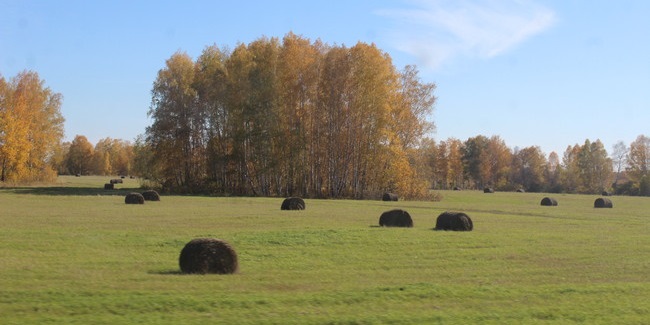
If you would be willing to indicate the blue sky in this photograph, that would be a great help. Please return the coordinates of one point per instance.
(549, 73)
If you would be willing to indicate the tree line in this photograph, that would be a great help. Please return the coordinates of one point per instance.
(287, 117)
(107, 157)
(481, 162)
(295, 117)
(31, 133)
(475, 163)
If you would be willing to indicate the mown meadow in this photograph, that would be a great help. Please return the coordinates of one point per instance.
(74, 253)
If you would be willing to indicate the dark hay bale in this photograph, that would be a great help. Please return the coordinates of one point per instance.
(396, 218)
(456, 221)
(549, 201)
(116, 181)
(208, 255)
(77, 175)
(389, 197)
(488, 190)
(456, 188)
(134, 198)
(602, 202)
(109, 186)
(293, 203)
(605, 193)
(122, 176)
(151, 195)
(521, 190)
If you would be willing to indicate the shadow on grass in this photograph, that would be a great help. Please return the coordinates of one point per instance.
(167, 272)
(70, 191)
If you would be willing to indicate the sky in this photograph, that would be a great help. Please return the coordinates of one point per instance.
(547, 73)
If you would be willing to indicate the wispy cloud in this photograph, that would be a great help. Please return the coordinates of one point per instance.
(438, 31)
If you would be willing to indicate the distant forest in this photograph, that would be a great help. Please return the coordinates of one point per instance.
(475, 163)
(295, 117)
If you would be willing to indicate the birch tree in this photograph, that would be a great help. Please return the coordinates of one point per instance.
(177, 133)
(31, 127)
(80, 156)
(638, 161)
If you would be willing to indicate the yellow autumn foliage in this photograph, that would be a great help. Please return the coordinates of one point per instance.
(31, 126)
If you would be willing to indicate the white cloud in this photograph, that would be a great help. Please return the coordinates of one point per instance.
(438, 31)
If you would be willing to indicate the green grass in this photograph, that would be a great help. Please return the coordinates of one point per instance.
(76, 254)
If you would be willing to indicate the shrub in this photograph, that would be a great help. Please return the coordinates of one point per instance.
(396, 218)
(549, 201)
(389, 197)
(293, 203)
(602, 202)
(456, 221)
(208, 255)
(151, 195)
(134, 198)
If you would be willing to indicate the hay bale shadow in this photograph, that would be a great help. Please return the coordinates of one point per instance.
(167, 272)
(396, 218)
(455, 221)
(208, 255)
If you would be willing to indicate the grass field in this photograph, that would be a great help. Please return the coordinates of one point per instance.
(76, 254)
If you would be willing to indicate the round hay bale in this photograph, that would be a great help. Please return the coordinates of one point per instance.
(151, 195)
(134, 198)
(488, 190)
(208, 255)
(549, 201)
(293, 203)
(396, 218)
(521, 190)
(456, 188)
(109, 186)
(602, 202)
(389, 197)
(116, 181)
(605, 193)
(456, 221)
